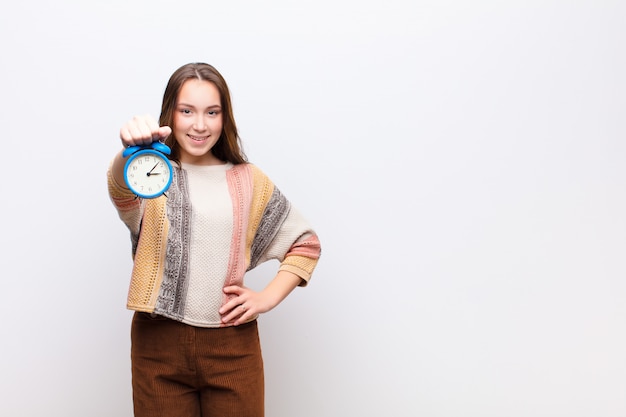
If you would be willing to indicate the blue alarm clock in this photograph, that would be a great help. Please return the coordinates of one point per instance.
(148, 172)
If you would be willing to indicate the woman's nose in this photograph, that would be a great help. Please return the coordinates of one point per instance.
(199, 123)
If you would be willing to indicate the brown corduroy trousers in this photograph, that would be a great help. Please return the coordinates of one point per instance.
(184, 371)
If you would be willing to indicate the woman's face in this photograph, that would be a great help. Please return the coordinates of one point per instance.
(198, 122)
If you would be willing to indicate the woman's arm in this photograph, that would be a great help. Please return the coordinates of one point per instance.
(117, 169)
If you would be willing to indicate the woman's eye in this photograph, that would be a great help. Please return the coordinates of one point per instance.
(213, 113)
(185, 111)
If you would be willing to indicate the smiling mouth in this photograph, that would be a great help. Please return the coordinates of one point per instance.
(198, 138)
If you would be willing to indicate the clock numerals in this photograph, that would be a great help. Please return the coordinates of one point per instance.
(148, 175)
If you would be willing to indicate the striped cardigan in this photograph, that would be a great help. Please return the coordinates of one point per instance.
(160, 229)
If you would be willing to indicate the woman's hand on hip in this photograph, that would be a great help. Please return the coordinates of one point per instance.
(244, 305)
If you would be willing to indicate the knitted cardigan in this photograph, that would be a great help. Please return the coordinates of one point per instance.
(159, 230)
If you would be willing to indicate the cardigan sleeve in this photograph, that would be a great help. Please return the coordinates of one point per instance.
(282, 233)
(128, 206)
(302, 255)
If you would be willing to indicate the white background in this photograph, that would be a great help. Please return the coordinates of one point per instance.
(462, 162)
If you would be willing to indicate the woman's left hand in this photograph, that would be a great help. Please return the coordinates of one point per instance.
(244, 305)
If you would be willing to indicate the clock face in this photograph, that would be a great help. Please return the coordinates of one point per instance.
(148, 173)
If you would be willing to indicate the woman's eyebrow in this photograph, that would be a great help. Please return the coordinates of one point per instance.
(212, 106)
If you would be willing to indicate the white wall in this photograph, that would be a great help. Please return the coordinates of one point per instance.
(463, 163)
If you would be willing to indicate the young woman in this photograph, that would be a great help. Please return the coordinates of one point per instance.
(195, 346)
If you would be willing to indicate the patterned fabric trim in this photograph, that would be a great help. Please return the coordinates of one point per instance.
(148, 259)
(240, 187)
(274, 215)
(172, 294)
(306, 246)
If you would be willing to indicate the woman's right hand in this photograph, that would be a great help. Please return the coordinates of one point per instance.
(143, 130)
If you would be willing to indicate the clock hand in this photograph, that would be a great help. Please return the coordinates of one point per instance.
(155, 165)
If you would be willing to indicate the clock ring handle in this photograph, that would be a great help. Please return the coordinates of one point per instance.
(157, 146)
(161, 147)
(130, 150)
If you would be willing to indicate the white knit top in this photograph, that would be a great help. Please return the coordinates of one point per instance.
(211, 231)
